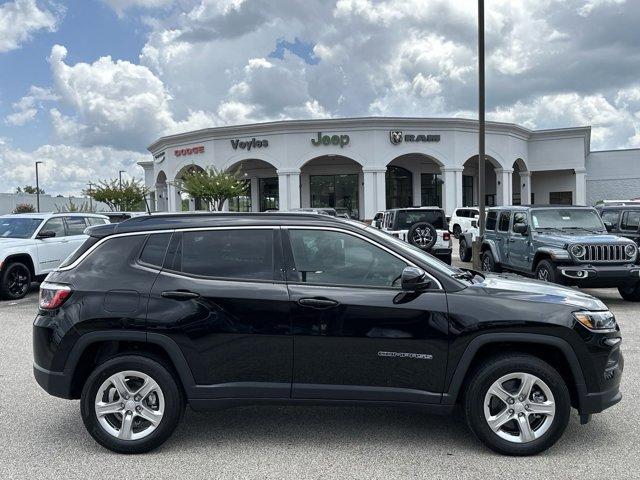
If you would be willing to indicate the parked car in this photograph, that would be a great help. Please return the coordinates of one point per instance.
(308, 309)
(423, 227)
(622, 220)
(562, 244)
(461, 219)
(33, 244)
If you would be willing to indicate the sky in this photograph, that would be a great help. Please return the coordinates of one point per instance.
(87, 85)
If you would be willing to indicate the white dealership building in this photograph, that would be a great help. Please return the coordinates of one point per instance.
(363, 165)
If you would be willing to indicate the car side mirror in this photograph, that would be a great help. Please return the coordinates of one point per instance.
(414, 279)
(608, 226)
(46, 234)
(520, 228)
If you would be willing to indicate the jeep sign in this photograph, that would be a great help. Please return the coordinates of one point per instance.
(396, 137)
(341, 140)
(249, 144)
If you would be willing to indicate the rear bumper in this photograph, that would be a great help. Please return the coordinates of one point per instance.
(57, 384)
(600, 275)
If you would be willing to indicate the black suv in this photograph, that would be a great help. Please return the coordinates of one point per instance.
(214, 310)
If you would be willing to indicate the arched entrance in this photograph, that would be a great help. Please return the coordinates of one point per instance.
(262, 192)
(414, 179)
(497, 182)
(188, 203)
(161, 198)
(333, 181)
(521, 183)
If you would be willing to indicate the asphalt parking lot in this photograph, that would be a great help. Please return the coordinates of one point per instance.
(43, 437)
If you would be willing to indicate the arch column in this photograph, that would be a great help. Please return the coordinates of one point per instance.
(503, 186)
(375, 197)
(525, 188)
(161, 197)
(173, 199)
(452, 189)
(255, 194)
(581, 187)
(289, 189)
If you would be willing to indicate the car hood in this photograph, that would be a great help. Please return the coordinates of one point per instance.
(561, 239)
(14, 242)
(519, 288)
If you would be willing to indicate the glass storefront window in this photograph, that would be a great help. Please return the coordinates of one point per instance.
(399, 187)
(241, 203)
(467, 190)
(335, 191)
(431, 184)
(268, 188)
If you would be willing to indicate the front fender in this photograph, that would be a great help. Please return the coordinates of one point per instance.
(495, 251)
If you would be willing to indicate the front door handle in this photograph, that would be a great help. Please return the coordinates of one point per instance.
(180, 294)
(319, 303)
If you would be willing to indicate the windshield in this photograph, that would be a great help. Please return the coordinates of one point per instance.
(18, 227)
(421, 254)
(567, 219)
(406, 218)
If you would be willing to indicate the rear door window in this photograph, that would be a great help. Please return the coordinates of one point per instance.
(233, 254)
(75, 225)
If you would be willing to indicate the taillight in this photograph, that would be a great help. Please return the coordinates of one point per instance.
(446, 236)
(53, 295)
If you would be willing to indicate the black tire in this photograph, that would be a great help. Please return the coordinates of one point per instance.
(489, 263)
(446, 259)
(546, 271)
(495, 368)
(457, 230)
(422, 235)
(465, 251)
(16, 280)
(174, 403)
(630, 293)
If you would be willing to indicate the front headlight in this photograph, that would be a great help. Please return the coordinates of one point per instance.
(630, 250)
(597, 321)
(577, 251)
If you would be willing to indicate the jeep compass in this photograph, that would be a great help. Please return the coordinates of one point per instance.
(214, 310)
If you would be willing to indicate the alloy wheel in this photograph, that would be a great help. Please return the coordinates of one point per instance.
(129, 405)
(486, 264)
(519, 407)
(18, 280)
(543, 274)
(422, 237)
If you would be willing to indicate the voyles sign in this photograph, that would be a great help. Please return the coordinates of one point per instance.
(396, 137)
(249, 144)
(341, 140)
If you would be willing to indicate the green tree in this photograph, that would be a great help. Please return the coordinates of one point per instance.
(213, 186)
(24, 208)
(29, 189)
(129, 197)
(71, 206)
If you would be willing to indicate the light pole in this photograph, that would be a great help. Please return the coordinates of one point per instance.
(90, 184)
(37, 188)
(120, 172)
(481, 139)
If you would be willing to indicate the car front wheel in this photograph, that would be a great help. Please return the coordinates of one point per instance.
(489, 263)
(131, 404)
(517, 404)
(546, 271)
(16, 280)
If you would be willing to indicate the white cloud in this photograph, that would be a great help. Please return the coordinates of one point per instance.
(121, 6)
(26, 109)
(20, 19)
(66, 169)
(591, 5)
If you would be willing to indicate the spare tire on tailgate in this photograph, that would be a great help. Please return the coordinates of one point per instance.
(423, 235)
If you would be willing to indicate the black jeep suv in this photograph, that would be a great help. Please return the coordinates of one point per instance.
(215, 310)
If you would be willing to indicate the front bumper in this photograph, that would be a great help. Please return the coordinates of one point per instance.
(600, 275)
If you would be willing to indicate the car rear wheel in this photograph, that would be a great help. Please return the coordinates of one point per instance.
(457, 230)
(465, 251)
(131, 404)
(630, 293)
(16, 280)
(517, 404)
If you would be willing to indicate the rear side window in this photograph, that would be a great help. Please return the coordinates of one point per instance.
(95, 221)
(88, 243)
(503, 224)
(75, 225)
(491, 220)
(154, 250)
(630, 221)
(240, 254)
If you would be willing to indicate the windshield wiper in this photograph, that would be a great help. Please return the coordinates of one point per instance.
(465, 274)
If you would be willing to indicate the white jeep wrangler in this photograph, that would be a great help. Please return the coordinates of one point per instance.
(33, 244)
(423, 227)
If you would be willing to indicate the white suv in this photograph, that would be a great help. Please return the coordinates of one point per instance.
(423, 227)
(461, 219)
(33, 244)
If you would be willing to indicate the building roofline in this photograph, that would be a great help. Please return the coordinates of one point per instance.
(616, 150)
(362, 122)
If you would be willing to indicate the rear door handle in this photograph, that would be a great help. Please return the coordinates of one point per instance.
(180, 294)
(319, 303)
